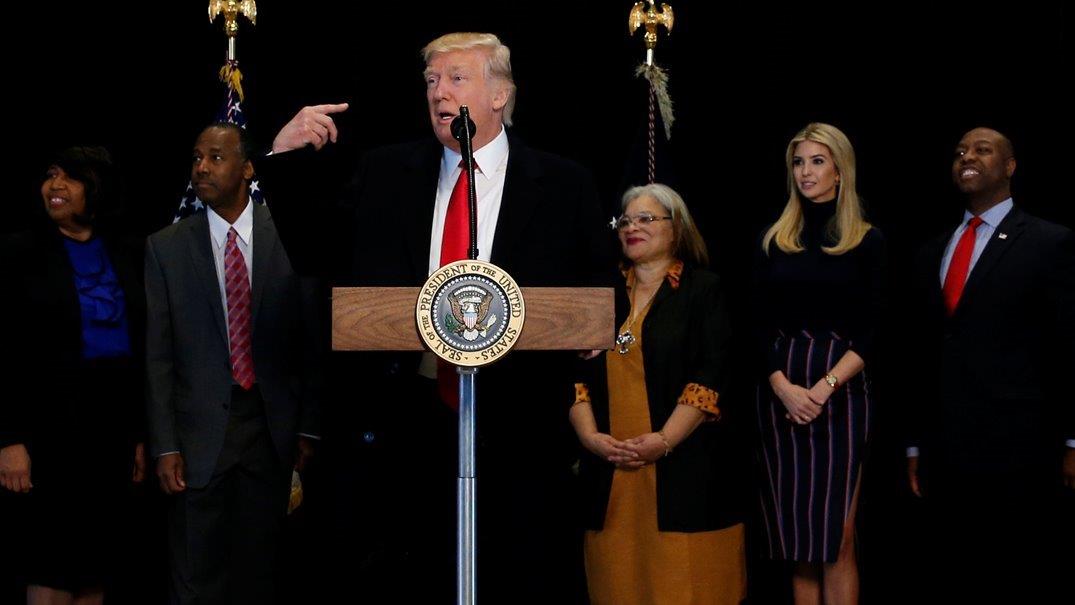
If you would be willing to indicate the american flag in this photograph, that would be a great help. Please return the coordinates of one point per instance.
(231, 111)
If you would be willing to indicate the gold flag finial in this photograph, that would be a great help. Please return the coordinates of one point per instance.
(651, 18)
(232, 9)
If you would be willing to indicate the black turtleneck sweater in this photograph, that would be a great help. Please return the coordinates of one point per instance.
(819, 292)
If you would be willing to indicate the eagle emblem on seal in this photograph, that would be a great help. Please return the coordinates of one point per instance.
(470, 317)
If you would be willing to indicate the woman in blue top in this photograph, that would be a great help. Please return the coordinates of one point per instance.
(71, 404)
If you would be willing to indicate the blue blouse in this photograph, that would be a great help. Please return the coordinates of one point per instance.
(100, 296)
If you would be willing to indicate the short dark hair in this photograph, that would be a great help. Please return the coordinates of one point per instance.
(1007, 143)
(1001, 129)
(247, 146)
(92, 166)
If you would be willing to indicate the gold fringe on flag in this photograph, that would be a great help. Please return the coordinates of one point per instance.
(230, 75)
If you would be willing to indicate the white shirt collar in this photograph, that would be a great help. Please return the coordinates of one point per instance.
(244, 225)
(489, 157)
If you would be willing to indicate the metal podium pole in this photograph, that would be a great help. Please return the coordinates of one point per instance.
(466, 529)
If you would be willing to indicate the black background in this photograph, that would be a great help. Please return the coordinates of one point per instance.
(903, 80)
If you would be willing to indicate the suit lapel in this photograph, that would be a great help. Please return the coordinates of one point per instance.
(201, 256)
(1002, 240)
(420, 193)
(521, 197)
(264, 246)
(59, 275)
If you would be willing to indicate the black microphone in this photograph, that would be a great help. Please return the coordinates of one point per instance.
(463, 130)
(458, 130)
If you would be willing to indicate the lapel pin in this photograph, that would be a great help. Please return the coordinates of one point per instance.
(1002, 236)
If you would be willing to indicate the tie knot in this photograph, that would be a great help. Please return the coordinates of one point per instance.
(463, 165)
(232, 234)
(974, 222)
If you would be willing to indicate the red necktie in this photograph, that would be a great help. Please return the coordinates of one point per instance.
(237, 291)
(454, 243)
(455, 240)
(456, 235)
(959, 266)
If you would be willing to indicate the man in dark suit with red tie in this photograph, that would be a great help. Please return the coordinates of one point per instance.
(993, 437)
(403, 217)
(231, 404)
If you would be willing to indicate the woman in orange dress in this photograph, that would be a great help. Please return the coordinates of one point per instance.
(663, 515)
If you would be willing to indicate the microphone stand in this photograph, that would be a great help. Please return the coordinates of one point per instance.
(466, 484)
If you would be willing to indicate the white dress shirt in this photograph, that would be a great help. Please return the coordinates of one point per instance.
(492, 166)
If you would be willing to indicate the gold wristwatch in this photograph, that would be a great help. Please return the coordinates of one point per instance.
(832, 380)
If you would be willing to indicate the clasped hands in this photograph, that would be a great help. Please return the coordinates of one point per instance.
(803, 405)
(629, 453)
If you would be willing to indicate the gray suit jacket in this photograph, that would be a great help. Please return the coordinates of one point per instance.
(187, 357)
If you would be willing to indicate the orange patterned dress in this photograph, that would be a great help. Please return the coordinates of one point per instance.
(630, 561)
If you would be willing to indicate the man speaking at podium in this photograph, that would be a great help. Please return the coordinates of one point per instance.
(403, 216)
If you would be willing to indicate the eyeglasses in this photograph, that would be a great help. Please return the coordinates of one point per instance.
(641, 219)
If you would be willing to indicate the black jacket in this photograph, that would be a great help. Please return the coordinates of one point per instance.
(685, 339)
(52, 396)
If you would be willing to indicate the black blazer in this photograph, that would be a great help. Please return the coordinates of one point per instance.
(49, 389)
(685, 339)
(990, 400)
(188, 360)
(550, 232)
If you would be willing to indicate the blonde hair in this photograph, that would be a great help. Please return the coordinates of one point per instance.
(850, 226)
(687, 243)
(497, 59)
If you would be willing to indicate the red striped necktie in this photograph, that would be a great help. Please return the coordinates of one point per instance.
(237, 292)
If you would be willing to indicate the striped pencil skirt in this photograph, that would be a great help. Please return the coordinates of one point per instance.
(809, 472)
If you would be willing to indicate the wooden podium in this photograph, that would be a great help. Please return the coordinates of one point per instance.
(383, 319)
(557, 319)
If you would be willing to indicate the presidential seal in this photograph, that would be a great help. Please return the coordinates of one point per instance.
(470, 313)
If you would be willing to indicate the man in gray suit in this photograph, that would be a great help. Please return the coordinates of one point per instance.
(229, 361)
